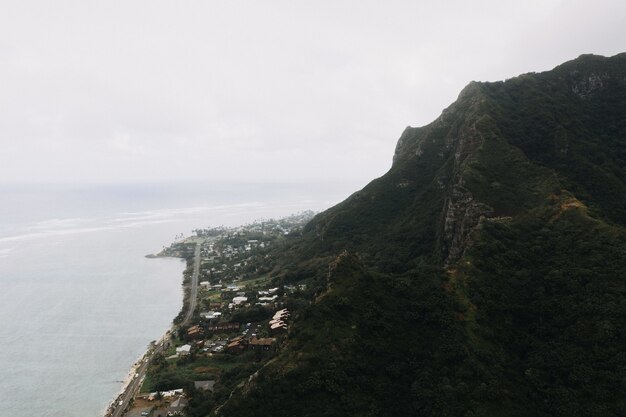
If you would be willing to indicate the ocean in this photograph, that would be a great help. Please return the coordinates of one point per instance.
(79, 302)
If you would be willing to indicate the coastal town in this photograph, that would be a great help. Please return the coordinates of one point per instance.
(235, 317)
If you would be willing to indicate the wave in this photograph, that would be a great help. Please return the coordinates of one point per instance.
(65, 232)
(191, 210)
(72, 222)
(70, 226)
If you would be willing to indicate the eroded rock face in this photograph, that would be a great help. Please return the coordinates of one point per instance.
(403, 142)
(587, 86)
(463, 214)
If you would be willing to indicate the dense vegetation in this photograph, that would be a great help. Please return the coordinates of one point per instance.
(483, 275)
(551, 295)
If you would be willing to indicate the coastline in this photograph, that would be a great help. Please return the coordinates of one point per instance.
(131, 385)
(125, 383)
(225, 251)
(133, 381)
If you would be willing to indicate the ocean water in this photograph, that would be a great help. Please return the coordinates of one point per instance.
(79, 302)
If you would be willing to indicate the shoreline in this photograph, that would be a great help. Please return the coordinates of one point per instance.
(125, 383)
(128, 392)
(132, 375)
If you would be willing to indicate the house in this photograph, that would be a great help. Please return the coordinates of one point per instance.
(261, 344)
(195, 333)
(205, 284)
(184, 350)
(224, 327)
(204, 385)
(236, 345)
(278, 328)
(281, 314)
(239, 300)
(210, 315)
(218, 346)
(229, 292)
(165, 394)
(268, 299)
(177, 406)
(277, 323)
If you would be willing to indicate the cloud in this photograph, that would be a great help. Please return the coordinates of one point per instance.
(265, 90)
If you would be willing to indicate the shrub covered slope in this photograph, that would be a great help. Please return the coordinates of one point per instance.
(483, 275)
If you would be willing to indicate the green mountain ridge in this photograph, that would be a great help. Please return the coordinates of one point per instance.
(483, 275)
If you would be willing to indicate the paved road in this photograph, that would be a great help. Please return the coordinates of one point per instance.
(133, 387)
(193, 293)
(129, 392)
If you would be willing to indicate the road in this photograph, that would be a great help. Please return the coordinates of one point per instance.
(133, 387)
(193, 292)
(129, 392)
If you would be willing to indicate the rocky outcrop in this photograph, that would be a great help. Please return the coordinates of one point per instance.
(590, 84)
(433, 171)
(462, 214)
(407, 137)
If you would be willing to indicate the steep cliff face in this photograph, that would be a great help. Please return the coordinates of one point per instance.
(481, 275)
(500, 149)
(427, 180)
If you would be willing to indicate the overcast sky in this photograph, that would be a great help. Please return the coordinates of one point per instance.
(258, 90)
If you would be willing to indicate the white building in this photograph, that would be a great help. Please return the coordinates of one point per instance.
(184, 350)
(239, 300)
(210, 315)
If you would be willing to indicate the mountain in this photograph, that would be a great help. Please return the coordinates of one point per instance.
(482, 275)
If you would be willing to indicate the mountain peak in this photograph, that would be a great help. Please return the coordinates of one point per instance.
(499, 150)
(481, 275)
